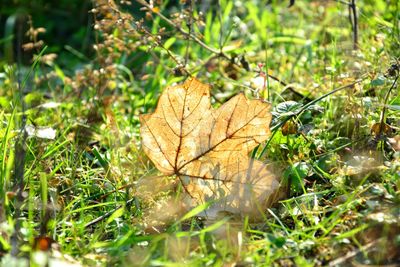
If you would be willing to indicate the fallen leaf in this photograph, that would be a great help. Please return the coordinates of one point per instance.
(208, 149)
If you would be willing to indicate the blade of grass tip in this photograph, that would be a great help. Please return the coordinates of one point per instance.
(267, 76)
(76, 53)
(43, 185)
(103, 162)
(382, 116)
(278, 220)
(351, 233)
(114, 213)
(33, 67)
(324, 192)
(193, 212)
(94, 206)
(336, 149)
(275, 128)
(215, 225)
(53, 149)
(6, 165)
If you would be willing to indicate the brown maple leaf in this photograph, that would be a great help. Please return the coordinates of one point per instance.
(208, 149)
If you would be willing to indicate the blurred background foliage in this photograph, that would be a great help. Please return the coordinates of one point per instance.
(68, 25)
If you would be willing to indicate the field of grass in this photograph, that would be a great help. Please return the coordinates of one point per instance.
(77, 189)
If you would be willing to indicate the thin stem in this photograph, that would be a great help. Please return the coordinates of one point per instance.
(190, 31)
(354, 24)
(275, 128)
(171, 23)
(20, 152)
(220, 25)
(382, 117)
(353, 19)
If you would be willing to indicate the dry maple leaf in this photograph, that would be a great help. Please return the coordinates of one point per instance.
(208, 149)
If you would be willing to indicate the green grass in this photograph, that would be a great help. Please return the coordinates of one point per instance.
(84, 189)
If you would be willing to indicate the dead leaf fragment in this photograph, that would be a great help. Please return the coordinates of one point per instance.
(379, 128)
(290, 127)
(208, 149)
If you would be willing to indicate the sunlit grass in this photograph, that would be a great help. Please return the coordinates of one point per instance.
(82, 188)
